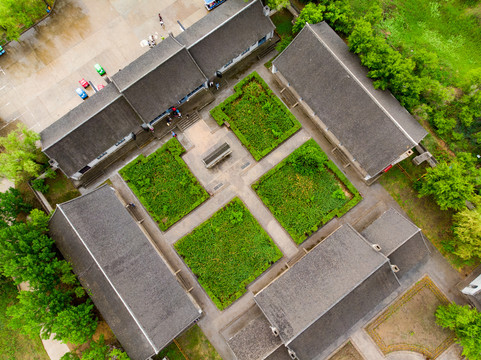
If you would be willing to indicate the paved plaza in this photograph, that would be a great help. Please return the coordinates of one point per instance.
(40, 72)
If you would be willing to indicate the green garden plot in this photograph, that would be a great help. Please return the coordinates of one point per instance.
(256, 115)
(305, 191)
(227, 252)
(164, 184)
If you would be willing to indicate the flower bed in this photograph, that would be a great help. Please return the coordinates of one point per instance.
(164, 184)
(227, 252)
(256, 115)
(306, 190)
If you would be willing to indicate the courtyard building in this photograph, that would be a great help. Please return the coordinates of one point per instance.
(368, 128)
(129, 282)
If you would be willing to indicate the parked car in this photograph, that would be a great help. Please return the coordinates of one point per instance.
(99, 69)
(81, 92)
(84, 83)
(2, 50)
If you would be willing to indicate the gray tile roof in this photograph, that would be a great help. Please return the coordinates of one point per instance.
(89, 129)
(390, 231)
(370, 123)
(229, 39)
(254, 340)
(159, 78)
(128, 281)
(211, 21)
(335, 324)
(324, 276)
(280, 354)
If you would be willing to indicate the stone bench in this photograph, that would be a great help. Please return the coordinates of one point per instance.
(216, 155)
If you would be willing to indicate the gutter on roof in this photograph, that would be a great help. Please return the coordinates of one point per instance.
(362, 86)
(223, 23)
(110, 282)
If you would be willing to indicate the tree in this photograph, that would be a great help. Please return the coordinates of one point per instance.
(75, 324)
(16, 15)
(11, 205)
(98, 350)
(27, 253)
(466, 323)
(20, 158)
(278, 4)
(451, 184)
(311, 14)
(467, 230)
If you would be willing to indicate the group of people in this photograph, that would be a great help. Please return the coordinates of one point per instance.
(151, 41)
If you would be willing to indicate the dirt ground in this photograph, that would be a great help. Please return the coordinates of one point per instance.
(410, 323)
(347, 352)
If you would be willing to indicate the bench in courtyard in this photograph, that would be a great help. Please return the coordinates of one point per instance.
(215, 155)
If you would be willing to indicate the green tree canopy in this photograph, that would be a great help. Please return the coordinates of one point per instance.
(466, 323)
(467, 230)
(20, 158)
(278, 4)
(16, 15)
(11, 205)
(311, 14)
(452, 184)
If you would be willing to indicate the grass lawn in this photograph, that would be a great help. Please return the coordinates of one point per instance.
(410, 324)
(60, 189)
(164, 184)
(14, 346)
(193, 344)
(256, 115)
(347, 352)
(283, 22)
(451, 29)
(227, 252)
(302, 201)
(424, 212)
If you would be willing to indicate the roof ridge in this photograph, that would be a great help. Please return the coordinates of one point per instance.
(107, 278)
(223, 23)
(360, 83)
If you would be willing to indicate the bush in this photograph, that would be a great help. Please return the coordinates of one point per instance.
(257, 116)
(305, 191)
(39, 185)
(227, 252)
(164, 184)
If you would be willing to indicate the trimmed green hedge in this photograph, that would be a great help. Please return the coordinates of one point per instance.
(257, 116)
(164, 184)
(304, 191)
(227, 252)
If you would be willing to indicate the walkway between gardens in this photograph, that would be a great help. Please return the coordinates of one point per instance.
(233, 177)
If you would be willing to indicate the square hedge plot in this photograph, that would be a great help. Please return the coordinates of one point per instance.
(305, 191)
(256, 115)
(164, 184)
(227, 252)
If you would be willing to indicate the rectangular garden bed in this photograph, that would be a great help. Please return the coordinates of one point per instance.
(227, 252)
(164, 184)
(305, 191)
(256, 115)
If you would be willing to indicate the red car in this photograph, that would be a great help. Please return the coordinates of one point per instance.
(84, 83)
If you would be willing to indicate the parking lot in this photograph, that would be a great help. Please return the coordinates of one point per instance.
(40, 72)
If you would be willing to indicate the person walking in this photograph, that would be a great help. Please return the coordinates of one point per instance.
(161, 21)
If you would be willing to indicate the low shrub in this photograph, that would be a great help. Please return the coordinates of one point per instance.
(305, 191)
(256, 115)
(164, 184)
(227, 252)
